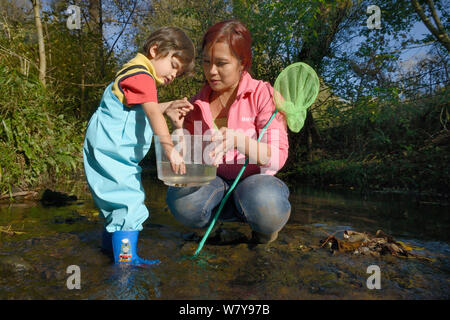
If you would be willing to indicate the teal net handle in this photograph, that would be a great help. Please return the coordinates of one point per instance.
(224, 200)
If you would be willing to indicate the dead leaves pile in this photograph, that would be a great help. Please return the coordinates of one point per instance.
(366, 244)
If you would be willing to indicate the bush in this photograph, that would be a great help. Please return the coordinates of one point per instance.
(37, 141)
(376, 145)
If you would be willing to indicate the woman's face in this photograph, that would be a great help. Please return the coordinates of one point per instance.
(221, 68)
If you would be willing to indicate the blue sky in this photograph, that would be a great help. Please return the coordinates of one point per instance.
(419, 31)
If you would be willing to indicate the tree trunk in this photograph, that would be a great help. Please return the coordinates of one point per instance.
(438, 31)
(40, 35)
(314, 50)
(100, 31)
(96, 23)
(83, 76)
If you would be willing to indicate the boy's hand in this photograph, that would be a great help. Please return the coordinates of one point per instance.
(176, 161)
(177, 110)
(159, 126)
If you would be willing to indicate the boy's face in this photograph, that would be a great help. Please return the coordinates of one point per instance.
(167, 68)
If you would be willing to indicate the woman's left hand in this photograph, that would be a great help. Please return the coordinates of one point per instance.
(226, 139)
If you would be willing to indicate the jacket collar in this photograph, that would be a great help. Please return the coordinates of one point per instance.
(246, 85)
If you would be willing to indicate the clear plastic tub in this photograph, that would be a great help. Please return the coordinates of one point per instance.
(195, 152)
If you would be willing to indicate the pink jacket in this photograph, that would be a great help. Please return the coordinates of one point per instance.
(250, 112)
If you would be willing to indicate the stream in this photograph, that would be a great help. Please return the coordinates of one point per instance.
(35, 262)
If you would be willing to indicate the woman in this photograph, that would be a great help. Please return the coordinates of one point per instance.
(238, 107)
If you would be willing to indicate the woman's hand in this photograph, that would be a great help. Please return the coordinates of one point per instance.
(177, 110)
(226, 139)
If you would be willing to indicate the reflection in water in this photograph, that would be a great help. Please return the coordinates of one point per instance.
(129, 283)
(395, 214)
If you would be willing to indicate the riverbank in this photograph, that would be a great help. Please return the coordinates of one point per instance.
(359, 178)
(40, 136)
(423, 173)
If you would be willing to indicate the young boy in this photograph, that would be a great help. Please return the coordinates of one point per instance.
(119, 135)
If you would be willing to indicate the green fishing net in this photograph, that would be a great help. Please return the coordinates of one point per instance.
(295, 90)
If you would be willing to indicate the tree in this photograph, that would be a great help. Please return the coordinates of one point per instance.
(438, 30)
(285, 32)
(84, 60)
(329, 19)
(40, 35)
(194, 17)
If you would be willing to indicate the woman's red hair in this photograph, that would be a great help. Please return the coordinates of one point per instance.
(236, 34)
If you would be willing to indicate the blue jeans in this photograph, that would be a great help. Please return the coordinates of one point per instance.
(259, 200)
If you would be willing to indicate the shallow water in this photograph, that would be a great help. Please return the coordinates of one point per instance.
(196, 174)
(34, 265)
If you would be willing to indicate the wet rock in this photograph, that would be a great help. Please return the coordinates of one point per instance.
(15, 264)
(69, 220)
(32, 242)
(283, 238)
(55, 198)
(188, 248)
(260, 248)
(191, 236)
(353, 236)
(47, 275)
(227, 236)
(50, 274)
(363, 250)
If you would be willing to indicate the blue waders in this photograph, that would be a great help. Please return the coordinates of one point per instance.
(117, 139)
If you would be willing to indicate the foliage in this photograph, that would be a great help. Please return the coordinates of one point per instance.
(377, 144)
(37, 141)
(194, 18)
(418, 171)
